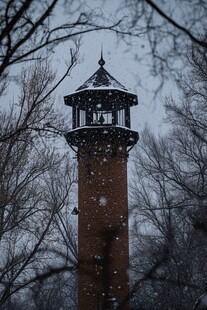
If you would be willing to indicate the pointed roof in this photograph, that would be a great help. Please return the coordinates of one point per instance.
(101, 88)
(101, 79)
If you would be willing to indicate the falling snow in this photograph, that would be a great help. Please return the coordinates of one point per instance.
(103, 201)
(101, 78)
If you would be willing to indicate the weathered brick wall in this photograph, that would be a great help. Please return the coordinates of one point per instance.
(103, 223)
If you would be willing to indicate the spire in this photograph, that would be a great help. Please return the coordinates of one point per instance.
(101, 61)
(101, 78)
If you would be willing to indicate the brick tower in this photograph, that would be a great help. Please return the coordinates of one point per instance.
(102, 137)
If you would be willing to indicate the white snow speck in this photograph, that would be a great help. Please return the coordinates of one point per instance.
(103, 201)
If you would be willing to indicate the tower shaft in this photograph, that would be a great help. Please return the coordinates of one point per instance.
(102, 136)
(103, 224)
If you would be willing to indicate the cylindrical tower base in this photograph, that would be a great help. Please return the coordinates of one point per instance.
(103, 224)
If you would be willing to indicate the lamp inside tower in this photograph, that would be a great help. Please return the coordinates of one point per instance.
(93, 116)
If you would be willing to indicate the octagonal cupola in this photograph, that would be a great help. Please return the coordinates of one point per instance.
(100, 102)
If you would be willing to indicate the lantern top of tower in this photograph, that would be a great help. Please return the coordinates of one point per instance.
(101, 79)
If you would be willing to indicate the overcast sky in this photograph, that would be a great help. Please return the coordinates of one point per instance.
(121, 64)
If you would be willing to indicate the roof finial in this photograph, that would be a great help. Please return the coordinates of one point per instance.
(101, 61)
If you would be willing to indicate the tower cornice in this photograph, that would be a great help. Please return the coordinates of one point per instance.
(87, 97)
(93, 134)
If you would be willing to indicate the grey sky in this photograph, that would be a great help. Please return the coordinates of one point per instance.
(120, 63)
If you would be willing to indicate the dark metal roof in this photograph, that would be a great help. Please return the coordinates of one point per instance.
(101, 79)
(91, 134)
(104, 96)
(101, 88)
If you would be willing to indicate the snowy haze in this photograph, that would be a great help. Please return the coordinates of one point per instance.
(121, 63)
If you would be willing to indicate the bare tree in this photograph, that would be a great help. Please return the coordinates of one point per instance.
(170, 193)
(28, 29)
(167, 31)
(35, 184)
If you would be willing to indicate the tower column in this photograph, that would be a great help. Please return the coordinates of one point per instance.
(102, 135)
(103, 223)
